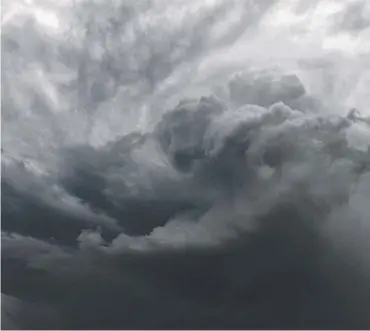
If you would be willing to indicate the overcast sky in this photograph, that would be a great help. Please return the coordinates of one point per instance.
(185, 164)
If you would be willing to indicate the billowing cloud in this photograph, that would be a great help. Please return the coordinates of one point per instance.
(149, 182)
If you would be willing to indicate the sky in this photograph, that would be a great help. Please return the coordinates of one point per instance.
(185, 164)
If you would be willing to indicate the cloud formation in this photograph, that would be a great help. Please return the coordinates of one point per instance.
(132, 201)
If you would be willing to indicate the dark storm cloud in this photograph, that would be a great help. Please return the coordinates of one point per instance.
(17, 314)
(278, 277)
(248, 211)
(51, 213)
(270, 276)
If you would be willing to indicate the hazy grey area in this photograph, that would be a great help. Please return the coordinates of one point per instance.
(185, 164)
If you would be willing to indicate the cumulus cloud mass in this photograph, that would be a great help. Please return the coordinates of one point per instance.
(185, 164)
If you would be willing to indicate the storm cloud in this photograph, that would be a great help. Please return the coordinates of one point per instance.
(159, 172)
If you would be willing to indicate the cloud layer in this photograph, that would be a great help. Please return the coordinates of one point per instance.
(171, 178)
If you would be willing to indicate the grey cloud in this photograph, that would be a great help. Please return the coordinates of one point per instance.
(213, 237)
(354, 18)
(243, 210)
(17, 314)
